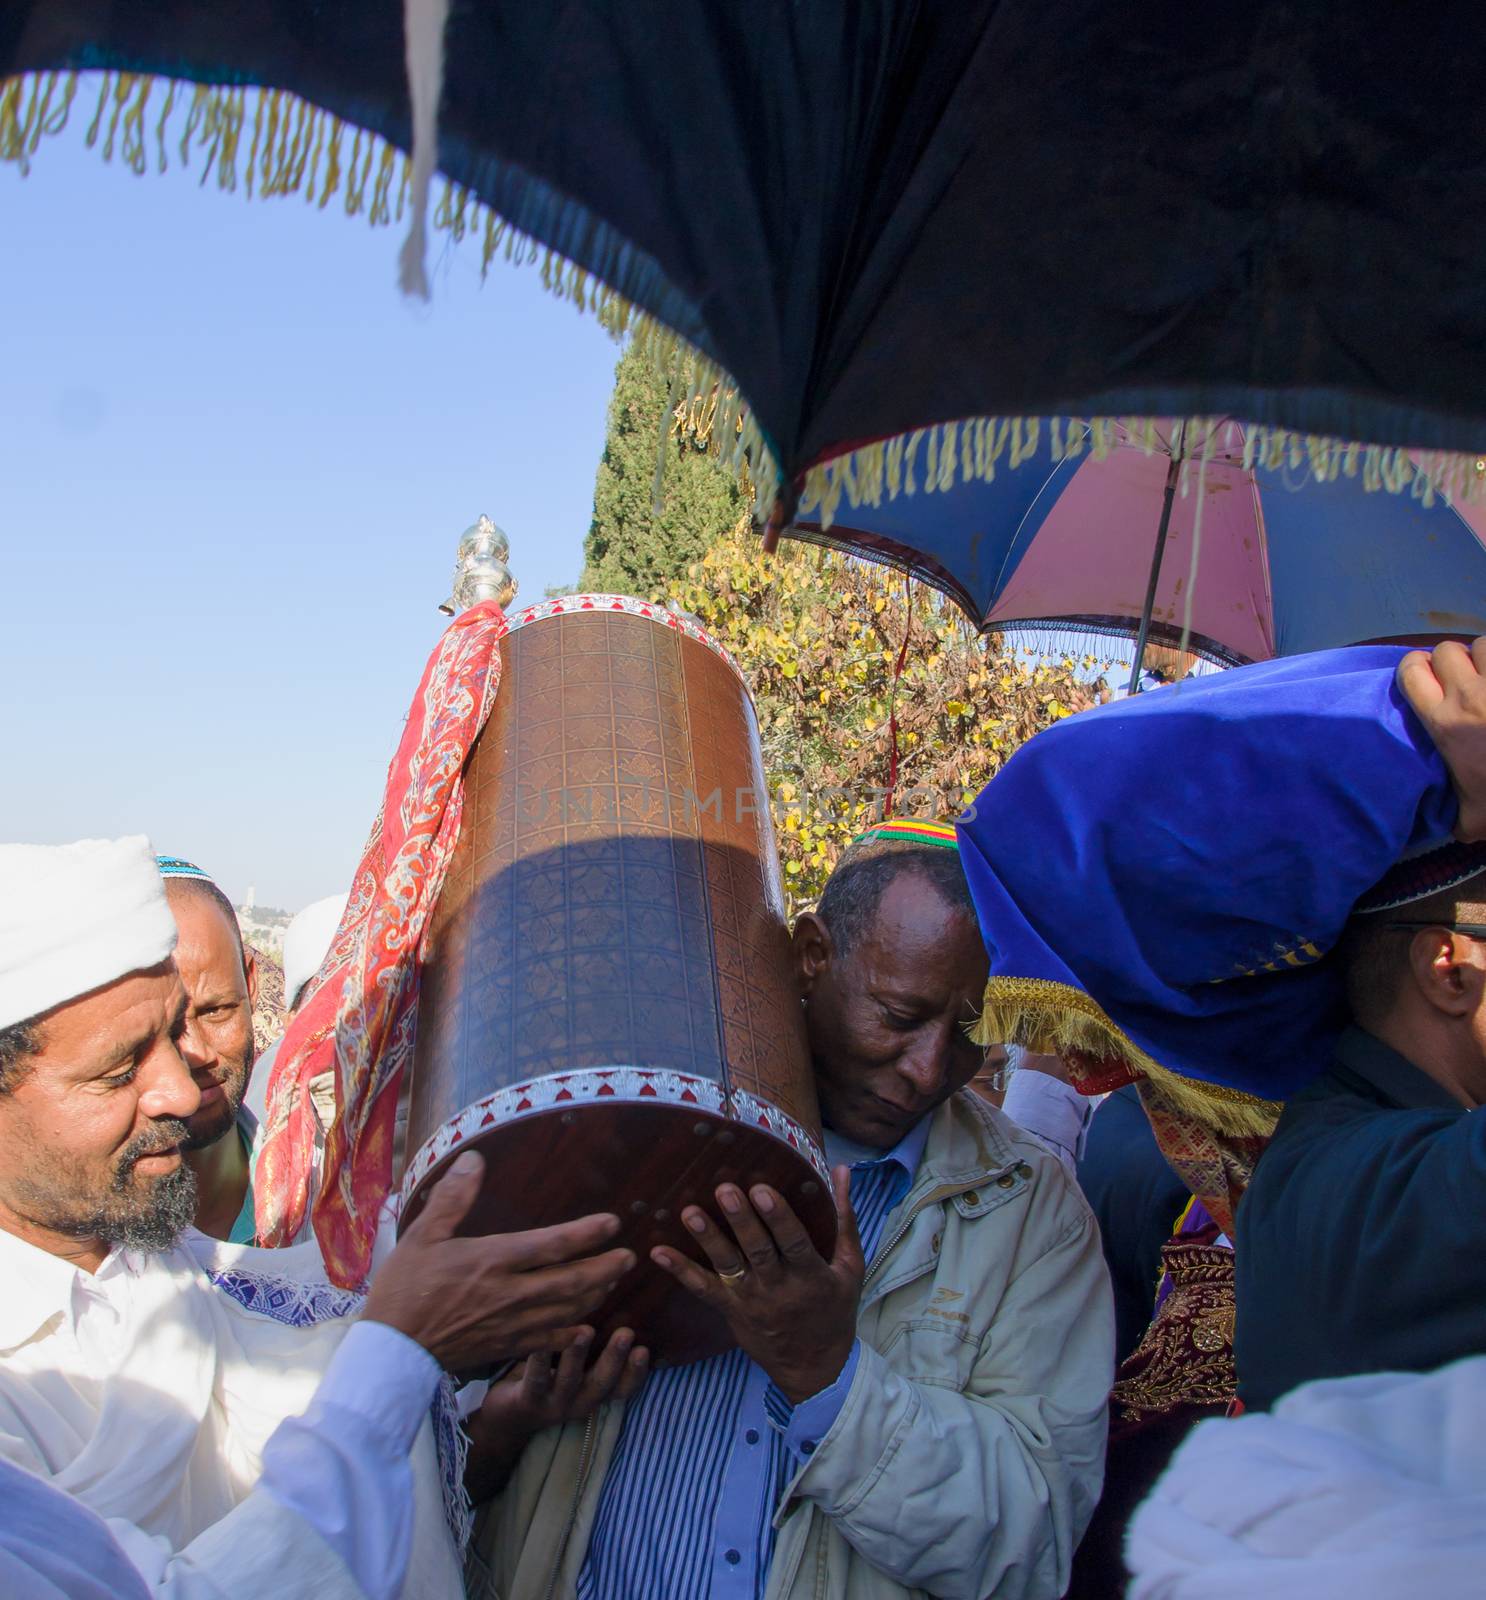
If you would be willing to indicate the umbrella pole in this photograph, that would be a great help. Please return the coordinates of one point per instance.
(1150, 588)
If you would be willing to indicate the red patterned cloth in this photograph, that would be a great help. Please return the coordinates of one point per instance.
(359, 1018)
(1215, 1164)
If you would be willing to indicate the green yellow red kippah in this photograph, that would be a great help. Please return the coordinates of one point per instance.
(903, 830)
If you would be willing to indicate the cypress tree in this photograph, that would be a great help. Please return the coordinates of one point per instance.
(631, 547)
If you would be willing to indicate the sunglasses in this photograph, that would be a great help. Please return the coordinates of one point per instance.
(1472, 930)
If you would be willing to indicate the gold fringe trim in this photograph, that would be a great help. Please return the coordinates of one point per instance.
(938, 458)
(271, 143)
(1053, 1018)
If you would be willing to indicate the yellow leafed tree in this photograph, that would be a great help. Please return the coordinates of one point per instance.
(819, 637)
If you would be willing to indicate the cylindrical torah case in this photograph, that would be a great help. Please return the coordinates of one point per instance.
(607, 1010)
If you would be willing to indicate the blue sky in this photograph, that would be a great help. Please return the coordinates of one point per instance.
(235, 465)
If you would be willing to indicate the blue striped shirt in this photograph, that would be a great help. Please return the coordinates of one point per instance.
(706, 1451)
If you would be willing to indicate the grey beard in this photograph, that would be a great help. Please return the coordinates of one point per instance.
(150, 1223)
(170, 1211)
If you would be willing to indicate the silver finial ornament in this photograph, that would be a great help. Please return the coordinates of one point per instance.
(480, 570)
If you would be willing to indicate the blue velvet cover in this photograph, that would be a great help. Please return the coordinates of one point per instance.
(1186, 857)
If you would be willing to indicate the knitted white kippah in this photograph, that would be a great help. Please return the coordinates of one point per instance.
(74, 917)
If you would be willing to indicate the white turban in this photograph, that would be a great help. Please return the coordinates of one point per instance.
(307, 942)
(74, 917)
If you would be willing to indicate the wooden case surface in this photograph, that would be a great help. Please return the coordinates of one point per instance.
(607, 1009)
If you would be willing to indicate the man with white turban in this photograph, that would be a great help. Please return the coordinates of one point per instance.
(213, 1416)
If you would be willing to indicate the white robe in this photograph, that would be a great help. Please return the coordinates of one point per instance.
(148, 1392)
(1371, 1486)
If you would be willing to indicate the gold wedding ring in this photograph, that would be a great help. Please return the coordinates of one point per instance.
(734, 1275)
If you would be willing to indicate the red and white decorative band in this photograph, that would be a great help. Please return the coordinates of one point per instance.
(564, 604)
(623, 1086)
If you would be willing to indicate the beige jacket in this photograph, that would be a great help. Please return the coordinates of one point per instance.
(969, 1452)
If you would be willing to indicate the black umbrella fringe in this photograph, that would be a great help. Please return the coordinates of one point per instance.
(299, 148)
(938, 458)
(271, 142)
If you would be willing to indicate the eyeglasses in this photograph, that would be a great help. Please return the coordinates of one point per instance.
(997, 1078)
(1472, 930)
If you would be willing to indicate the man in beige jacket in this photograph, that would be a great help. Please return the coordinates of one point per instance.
(923, 1414)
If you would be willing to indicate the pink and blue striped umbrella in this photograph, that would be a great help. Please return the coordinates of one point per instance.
(1283, 563)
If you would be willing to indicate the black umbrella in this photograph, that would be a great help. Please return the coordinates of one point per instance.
(877, 215)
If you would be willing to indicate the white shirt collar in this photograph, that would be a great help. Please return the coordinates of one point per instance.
(38, 1286)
